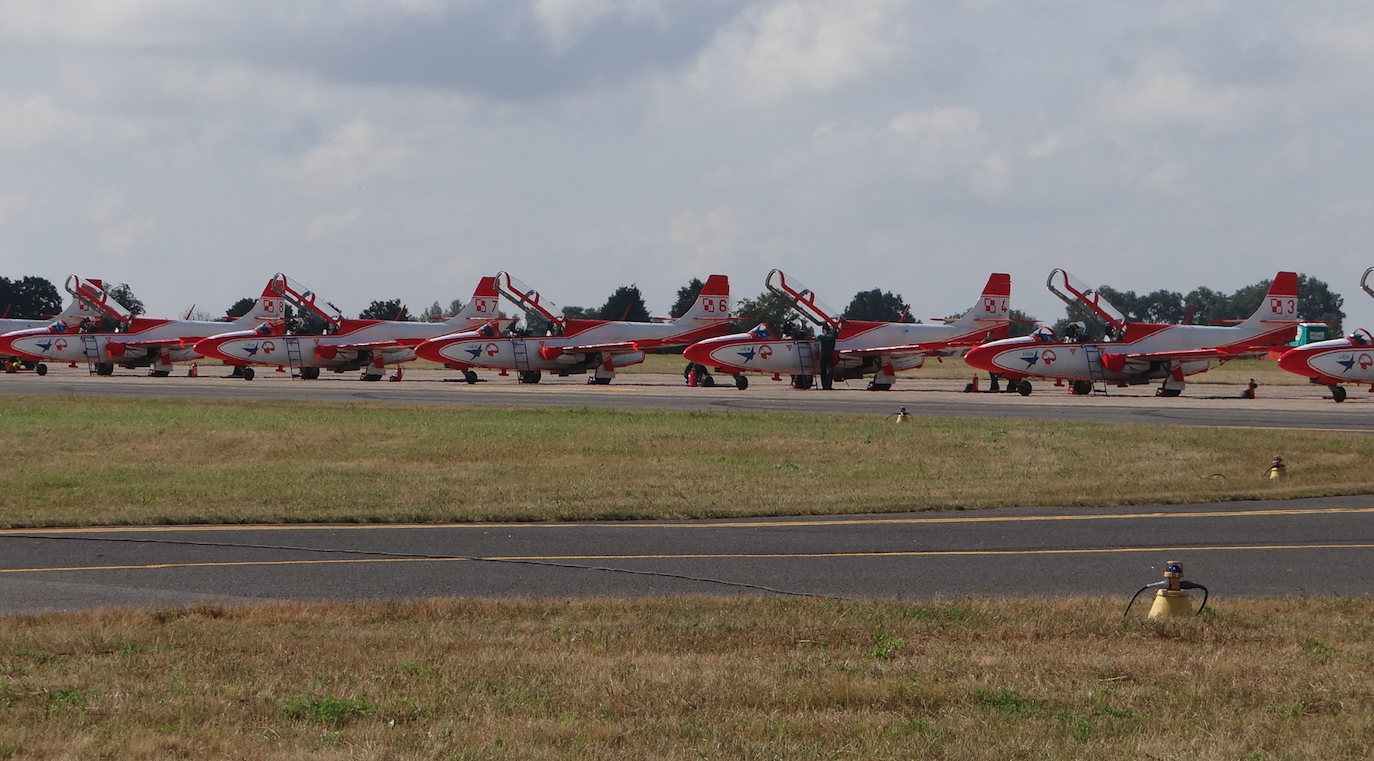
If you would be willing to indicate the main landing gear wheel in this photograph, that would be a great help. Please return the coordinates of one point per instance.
(1023, 388)
(1337, 393)
(104, 368)
(741, 382)
(707, 380)
(1082, 388)
(249, 373)
(879, 386)
(161, 373)
(1169, 392)
(310, 373)
(469, 376)
(42, 369)
(595, 381)
(802, 382)
(530, 376)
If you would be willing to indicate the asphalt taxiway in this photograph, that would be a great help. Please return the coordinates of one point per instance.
(1310, 546)
(1203, 404)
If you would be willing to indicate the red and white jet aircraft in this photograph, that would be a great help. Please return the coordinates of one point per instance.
(137, 342)
(70, 318)
(1141, 351)
(367, 345)
(576, 346)
(851, 348)
(1341, 360)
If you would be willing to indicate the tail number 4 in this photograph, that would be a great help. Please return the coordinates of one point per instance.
(1283, 306)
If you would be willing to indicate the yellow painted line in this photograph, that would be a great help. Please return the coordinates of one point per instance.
(761, 523)
(706, 556)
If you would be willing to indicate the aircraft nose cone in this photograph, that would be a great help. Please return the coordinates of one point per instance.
(700, 352)
(1294, 360)
(209, 348)
(980, 357)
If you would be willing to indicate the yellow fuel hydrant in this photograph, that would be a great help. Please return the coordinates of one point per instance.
(1171, 596)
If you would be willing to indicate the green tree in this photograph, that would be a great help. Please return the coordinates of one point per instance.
(454, 307)
(686, 297)
(878, 306)
(28, 298)
(625, 305)
(385, 310)
(240, 308)
(774, 311)
(1317, 303)
(432, 312)
(125, 295)
(1022, 324)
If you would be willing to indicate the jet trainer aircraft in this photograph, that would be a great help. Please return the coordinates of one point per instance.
(1139, 351)
(367, 345)
(576, 346)
(1341, 360)
(851, 348)
(136, 342)
(71, 317)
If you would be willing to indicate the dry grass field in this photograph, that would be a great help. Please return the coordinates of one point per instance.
(92, 460)
(692, 678)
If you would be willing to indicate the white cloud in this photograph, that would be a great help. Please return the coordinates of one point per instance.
(357, 152)
(565, 21)
(797, 47)
(1163, 95)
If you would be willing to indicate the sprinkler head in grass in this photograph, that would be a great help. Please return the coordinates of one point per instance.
(1277, 470)
(902, 415)
(1171, 595)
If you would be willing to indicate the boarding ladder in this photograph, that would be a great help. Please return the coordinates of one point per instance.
(90, 346)
(293, 356)
(807, 358)
(1096, 372)
(522, 358)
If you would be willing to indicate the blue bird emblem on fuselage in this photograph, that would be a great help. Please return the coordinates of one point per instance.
(748, 355)
(46, 346)
(250, 350)
(474, 351)
(1031, 360)
(1347, 363)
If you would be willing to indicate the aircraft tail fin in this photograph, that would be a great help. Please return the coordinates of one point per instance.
(482, 308)
(994, 305)
(713, 303)
(269, 306)
(1279, 305)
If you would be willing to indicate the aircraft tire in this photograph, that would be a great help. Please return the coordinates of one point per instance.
(595, 381)
(1082, 388)
(741, 382)
(42, 369)
(104, 368)
(161, 373)
(879, 386)
(469, 377)
(1170, 392)
(1337, 394)
(530, 376)
(1023, 388)
(802, 382)
(310, 373)
(706, 380)
(248, 373)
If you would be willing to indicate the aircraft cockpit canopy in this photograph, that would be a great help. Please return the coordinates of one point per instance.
(1365, 281)
(1085, 301)
(803, 300)
(1361, 337)
(263, 329)
(305, 299)
(58, 327)
(1045, 335)
(529, 300)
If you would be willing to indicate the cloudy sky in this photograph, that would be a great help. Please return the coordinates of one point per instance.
(377, 149)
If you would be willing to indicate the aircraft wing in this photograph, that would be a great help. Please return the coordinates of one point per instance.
(1190, 355)
(612, 347)
(365, 345)
(180, 343)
